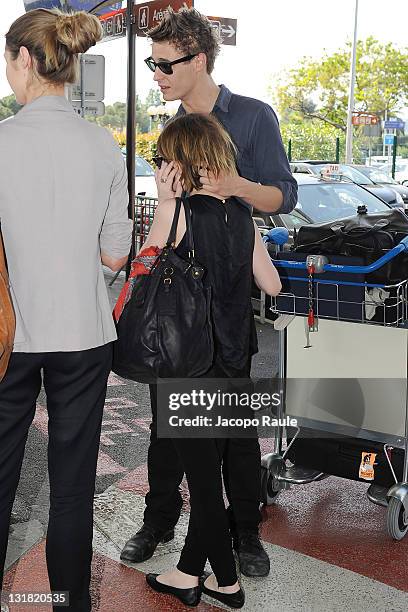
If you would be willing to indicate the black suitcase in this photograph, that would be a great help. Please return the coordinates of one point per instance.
(342, 456)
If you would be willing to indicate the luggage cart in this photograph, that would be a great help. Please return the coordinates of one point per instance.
(362, 342)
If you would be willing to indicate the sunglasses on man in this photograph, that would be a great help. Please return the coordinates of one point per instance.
(167, 67)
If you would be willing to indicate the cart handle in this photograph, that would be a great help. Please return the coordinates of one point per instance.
(301, 265)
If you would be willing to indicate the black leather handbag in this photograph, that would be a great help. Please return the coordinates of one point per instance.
(165, 329)
(368, 236)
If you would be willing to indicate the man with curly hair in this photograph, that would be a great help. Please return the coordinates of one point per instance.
(184, 49)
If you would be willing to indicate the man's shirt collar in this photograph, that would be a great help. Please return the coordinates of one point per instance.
(222, 102)
(223, 99)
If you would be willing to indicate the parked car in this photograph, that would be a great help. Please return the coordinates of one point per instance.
(380, 177)
(401, 170)
(349, 172)
(145, 183)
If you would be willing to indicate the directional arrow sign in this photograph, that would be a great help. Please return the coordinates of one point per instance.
(226, 28)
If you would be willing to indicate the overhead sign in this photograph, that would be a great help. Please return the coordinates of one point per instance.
(226, 28)
(93, 78)
(114, 24)
(71, 5)
(364, 119)
(394, 124)
(149, 14)
(95, 109)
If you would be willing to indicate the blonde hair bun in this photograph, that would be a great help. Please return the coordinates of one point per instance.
(78, 31)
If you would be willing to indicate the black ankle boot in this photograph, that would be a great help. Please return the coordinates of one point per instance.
(253, 558)
(142, 545)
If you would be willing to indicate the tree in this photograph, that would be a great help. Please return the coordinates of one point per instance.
(115, 115)
(316, 140)
(318, 89)
(8, 107)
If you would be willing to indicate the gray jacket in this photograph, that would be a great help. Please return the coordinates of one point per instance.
(63, 200)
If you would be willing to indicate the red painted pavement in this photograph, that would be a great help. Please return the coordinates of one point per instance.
(114, 587)
(332, 520)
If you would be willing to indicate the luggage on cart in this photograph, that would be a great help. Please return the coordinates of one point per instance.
(367, 236)
(327, 440)
(345, 457)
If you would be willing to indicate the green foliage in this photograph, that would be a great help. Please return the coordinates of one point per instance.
(115, 114)
(146, 145)
(315, 140)
(114, 117)
(318, 89)
(8, 107)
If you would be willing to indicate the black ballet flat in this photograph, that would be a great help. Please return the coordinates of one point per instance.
(233, 600)
(189, 597)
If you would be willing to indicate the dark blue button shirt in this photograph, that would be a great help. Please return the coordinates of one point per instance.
(254, 129)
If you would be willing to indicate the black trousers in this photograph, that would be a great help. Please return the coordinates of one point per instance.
(241, 470)
(75, 384)
(208, 535)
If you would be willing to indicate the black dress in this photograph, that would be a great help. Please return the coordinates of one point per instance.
(224, 237)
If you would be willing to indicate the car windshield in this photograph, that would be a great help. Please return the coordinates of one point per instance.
(327, 202)
(143, 168)
(378, 176)
(355, 175)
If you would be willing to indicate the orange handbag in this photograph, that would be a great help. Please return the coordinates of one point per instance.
(7, 316)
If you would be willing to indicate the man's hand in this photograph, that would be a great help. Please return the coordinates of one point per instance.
(226, 185)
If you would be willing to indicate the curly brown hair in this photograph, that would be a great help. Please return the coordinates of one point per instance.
(197, 141)
(190, 32)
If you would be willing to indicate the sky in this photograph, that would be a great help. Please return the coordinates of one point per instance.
(272, 35)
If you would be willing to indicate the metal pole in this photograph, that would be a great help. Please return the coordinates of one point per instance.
(290, 150)
(349, 133)
(337, 149)
(385, 130)
(394, 156)
(82, 81)
(131, 124)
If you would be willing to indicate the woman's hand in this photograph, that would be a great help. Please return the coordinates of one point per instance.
(168, 181)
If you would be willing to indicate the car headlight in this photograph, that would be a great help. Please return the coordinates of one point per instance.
(398, 198)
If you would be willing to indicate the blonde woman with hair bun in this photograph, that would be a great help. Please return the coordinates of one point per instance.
(63, 210)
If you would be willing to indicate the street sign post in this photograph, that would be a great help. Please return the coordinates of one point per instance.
(93, 79)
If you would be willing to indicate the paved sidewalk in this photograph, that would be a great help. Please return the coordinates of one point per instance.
(328, 545)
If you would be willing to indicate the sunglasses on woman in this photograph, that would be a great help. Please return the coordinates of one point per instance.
(158, 160)
(166, 67)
